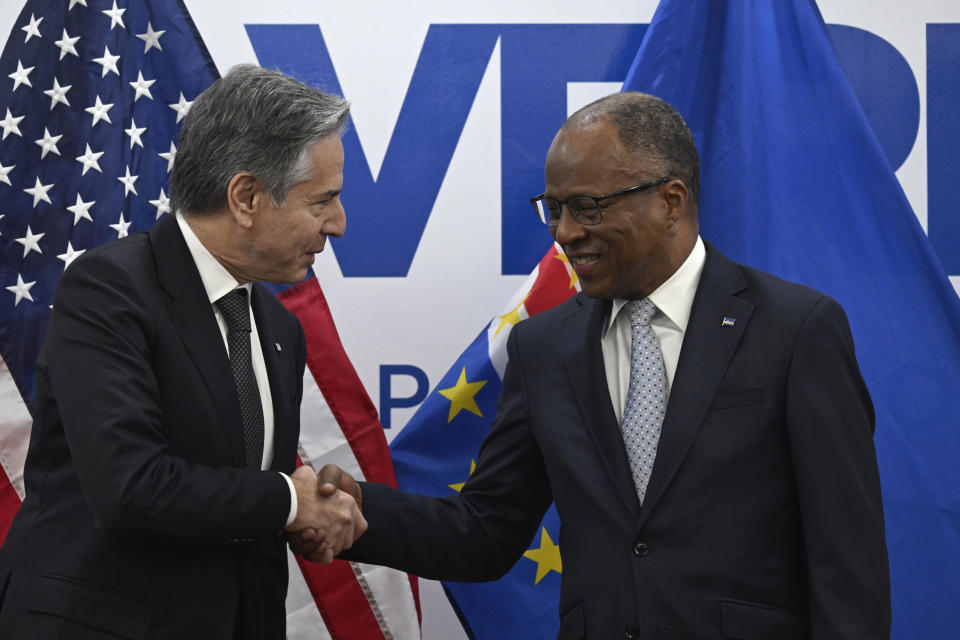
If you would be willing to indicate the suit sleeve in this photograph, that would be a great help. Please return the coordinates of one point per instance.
(830, 420)
(100, 347)
(478, 534)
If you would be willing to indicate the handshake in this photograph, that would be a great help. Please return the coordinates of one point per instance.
(329, 518)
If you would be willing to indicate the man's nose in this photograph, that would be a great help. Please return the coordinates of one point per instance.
(568, 229)
(336, 224)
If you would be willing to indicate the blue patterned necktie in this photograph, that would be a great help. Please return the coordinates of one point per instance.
(646, 395)
(236, 312)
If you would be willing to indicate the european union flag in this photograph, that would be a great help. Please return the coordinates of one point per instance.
(436, 451)
(794, 182)
(91, 99)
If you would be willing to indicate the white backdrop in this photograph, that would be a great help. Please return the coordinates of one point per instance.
(455, 283)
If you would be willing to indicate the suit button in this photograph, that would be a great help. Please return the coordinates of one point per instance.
(641, 549)
(632, 630)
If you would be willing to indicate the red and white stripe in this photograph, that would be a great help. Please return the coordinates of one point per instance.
(339, 424)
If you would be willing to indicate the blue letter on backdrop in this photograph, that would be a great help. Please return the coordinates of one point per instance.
(388, 402)
(943, 142)
(885, 86)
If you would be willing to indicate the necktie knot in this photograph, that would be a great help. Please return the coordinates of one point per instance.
(641, 312)
(235, 310)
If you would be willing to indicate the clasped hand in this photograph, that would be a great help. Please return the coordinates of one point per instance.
(329, 518)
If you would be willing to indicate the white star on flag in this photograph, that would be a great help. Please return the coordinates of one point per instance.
(74, 2)
(99, 112)
(162, 203)
(67, 44)
(121, 227)
(151, 38)
(30, 242)
(5, 174)
(181, 107)
(169, 156)
(58, 94)
(10, 123)
(39, 192)
(141, 86)
(48, 143)
(134, 132)
(81, 210)
(32, 29)
(21, 290)
(128, 181)
(116, 16)
(108, 62)
(20, 76)
(70, 255)
(89, 160)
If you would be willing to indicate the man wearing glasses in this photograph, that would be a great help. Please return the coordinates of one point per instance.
(702, 426)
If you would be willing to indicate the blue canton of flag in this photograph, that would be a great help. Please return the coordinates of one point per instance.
(92, 95)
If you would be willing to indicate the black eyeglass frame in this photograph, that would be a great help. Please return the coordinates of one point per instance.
(596, 202)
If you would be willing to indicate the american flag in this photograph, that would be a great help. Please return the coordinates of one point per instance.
(92, 94)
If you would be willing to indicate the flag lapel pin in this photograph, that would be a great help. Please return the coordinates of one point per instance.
(728, 322)
(277, 345)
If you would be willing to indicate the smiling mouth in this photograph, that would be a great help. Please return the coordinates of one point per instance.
(583, 260)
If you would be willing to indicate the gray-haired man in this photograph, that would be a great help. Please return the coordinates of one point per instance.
(168, 392)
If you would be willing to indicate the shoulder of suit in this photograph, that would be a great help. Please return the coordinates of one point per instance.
(774, 292)
(579, 303)
(131, 255)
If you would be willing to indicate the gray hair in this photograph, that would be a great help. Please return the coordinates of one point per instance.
(251, 120)
(651, 131)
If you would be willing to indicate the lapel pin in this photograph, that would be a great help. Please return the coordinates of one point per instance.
(727, 322)
(277, 345)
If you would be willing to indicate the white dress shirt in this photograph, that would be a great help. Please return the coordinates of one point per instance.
(218, 282)
(673, 299)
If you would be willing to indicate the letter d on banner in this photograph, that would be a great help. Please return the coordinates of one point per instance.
(388, 402)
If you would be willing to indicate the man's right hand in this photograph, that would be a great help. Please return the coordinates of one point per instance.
(312, 543)
(326, 509)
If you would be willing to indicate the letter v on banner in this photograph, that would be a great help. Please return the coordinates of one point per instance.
(444, 84)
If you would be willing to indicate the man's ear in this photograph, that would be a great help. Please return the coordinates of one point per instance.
(245, 196)
(677, 197)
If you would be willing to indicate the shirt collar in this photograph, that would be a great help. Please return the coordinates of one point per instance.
(217, 281)
(673, 298)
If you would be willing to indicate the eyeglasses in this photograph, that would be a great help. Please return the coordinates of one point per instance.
(584, 209)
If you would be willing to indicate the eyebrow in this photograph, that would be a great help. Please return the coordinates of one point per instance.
(332, 193)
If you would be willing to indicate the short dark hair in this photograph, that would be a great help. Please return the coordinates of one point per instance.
(652, 130)
(253, 120)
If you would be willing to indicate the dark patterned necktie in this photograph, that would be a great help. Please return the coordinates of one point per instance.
(236, 311)
(646, 396)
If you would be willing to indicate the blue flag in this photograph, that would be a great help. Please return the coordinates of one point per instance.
(794, 182)
(92, 96)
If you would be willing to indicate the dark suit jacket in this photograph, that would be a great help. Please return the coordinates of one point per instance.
(139, 520)
(762, 519)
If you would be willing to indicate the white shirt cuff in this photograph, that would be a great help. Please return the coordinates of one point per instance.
(293, 501)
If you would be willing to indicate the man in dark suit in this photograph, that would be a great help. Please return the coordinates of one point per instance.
(167, 412)
(702, 427)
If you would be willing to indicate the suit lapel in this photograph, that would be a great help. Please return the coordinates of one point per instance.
(707, 348)
(279, 387)
(193, 317)
(588, 379)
